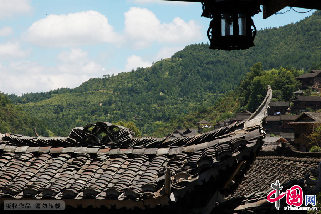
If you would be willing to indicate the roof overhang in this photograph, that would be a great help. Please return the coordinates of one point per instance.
(270, 7)
(305, 123)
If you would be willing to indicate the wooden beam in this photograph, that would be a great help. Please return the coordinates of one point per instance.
(234, 174)
(167, 186)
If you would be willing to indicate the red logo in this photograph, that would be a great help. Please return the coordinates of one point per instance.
(294, 195)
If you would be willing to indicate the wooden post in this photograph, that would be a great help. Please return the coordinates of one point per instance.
(167, 182)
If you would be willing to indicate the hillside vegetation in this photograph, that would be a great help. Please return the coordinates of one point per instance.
(14, 120)
(189, 83)
(247, 96)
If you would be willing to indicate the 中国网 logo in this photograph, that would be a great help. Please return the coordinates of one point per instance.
(294, 197)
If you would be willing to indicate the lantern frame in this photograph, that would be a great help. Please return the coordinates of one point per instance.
(232, 27)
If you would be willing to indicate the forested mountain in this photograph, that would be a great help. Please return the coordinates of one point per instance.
(190, 81)
(13, 119)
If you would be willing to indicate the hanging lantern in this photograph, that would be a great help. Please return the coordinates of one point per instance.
(232, 27)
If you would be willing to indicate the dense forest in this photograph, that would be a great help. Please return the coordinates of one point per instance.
(13, 119)
(178, 91)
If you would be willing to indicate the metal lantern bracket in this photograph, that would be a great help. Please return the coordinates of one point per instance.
(232, 27)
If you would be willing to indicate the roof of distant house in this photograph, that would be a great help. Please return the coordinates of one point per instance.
(312, 74)
(184, 132)
(286, 117)
(280, 104)
(243, 116)
(308, 99)
(273, 118)
(291, 166)
(308, 117)
(298, 92)
(204, 122)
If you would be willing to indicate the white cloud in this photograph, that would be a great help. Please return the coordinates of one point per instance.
(74, 29)
(5, 31)
(77, 62)
(167, 52)
(14, 7)
(143, 28)
(134, 62)
(74, 55)
(11, 50)
(22, 76)
(73, 68)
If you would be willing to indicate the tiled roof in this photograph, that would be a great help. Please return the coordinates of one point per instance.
(267, 169)
(316, 116)
(204, 122)
(184, 133)
(308, 99)
(242, 116)
(281, 118)
(85, 166)
(288, 117)
(312, 74)
(313, 117)
(280, 103)
(273, 118)
(274, 162)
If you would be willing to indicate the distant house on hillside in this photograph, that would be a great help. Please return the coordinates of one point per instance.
(279, 107)
(204, 124)
(184, 133)
(280, 125)
(298, 93)
(306, 103)
(223, 123)
(303, 126)
(312, 79)
(242, 116)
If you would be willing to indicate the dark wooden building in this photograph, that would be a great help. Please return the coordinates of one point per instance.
(204, 124)
(184, 133)
(306, 103)
(280, 125)
(278, 108)
(312, 79)
(240, 116)
(303, 126)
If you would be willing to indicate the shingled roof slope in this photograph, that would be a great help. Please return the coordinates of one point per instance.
(312, 74)
(280, 103)
(276, 161)
(308, 99)
(286, 117)
(314, 117)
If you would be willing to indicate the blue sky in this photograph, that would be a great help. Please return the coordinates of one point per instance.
(49, 44)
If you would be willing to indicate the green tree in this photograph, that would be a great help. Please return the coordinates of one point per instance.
(132, 126)
(315, 136)
(253, 86)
